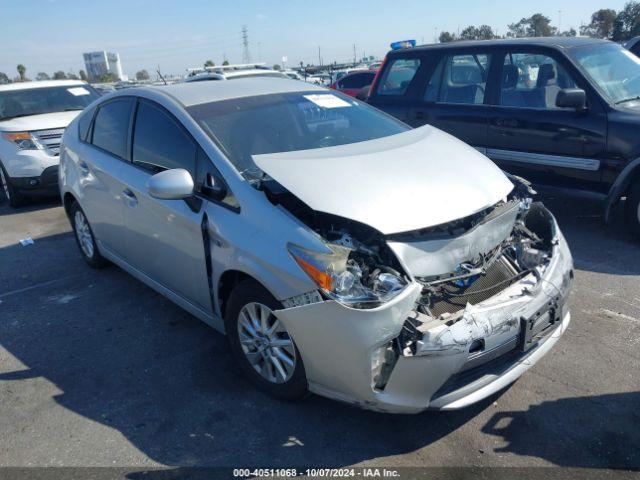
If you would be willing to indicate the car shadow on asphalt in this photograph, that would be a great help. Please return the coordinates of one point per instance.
(31, 205)
(601, 425)
(595, 246)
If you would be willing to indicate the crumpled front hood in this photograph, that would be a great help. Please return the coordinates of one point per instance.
(44, 121)
(412, 180)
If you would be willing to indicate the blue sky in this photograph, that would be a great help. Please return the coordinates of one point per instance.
(49, 35)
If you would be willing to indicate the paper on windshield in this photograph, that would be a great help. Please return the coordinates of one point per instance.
(327, 100)
(78, 91)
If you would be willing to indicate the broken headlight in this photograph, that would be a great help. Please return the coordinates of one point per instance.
(349, 278)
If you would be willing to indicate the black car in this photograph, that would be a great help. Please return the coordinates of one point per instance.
(558, 111)
(633, 45)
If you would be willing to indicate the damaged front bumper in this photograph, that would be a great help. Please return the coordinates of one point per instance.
(452, 366)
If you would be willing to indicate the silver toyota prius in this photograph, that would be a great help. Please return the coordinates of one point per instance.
(342, 252)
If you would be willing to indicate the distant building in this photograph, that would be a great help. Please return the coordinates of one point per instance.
(99, 63)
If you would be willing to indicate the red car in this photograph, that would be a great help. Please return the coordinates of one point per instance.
(353, 82)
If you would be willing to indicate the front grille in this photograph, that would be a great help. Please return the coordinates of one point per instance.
(451, 297)
(50, 139)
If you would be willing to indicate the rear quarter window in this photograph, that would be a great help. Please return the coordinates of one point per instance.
(84, 124)
(398, 76)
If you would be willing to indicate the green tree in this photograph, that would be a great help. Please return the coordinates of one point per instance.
(83, 75)
(537, 25)
(3, 78)
(21, 71)
(601, 25)
(469, 33)
(142, 75)
(108, 78)
(485, 32)
(568, 33)
(627, 24)
(59, 75)
(446, 37)
(72, 76)
(209, 63)
(42, 76)
(276, 67)
(225, 63)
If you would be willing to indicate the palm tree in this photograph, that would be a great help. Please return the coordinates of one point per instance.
(21, 71)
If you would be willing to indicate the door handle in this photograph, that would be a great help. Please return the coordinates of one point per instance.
(130, 197)
(84, 168)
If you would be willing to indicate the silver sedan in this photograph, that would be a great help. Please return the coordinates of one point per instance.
(341, 252)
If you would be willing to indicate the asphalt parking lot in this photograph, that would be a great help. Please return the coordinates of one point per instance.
(98, 370)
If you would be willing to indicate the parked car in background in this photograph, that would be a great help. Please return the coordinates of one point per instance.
(633, 46)
(33, 117)
(319, 79)
(559, 111)
(293, 75)
(342, 252)
(352, 83)
(338, 74)
(232, 72)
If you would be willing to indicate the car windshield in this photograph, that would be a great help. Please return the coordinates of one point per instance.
(286, 122)
(614, 70)
(35, 101)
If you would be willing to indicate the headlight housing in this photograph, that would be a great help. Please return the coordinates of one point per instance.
(342, 278)
(24, 140)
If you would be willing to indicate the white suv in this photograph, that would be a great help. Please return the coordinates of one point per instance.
(33, 117)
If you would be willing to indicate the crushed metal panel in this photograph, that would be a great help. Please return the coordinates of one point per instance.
(441, 256)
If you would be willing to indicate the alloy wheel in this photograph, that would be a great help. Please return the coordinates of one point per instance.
(83, 232)
(266, 343)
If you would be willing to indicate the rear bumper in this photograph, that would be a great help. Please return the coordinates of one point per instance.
(45, 184)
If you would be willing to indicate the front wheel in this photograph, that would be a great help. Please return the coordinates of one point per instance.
(261, 344)
(632, 209)
(14, 197)
(84, 237)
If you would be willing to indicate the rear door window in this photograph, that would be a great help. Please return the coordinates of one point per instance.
(459, 79)
(159, 143)
(111, 126)
(398, 76)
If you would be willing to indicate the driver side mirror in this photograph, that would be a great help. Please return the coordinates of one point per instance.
(173, 184)
(572, 98)
(214, 187)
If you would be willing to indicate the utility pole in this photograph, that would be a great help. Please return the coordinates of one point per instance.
(319, 57)
(354, 54)
(246, 56)
(559, 21)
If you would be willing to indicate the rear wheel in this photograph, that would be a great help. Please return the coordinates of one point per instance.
(261, 344)
(632, 209)
(14, 197)
(84, 237)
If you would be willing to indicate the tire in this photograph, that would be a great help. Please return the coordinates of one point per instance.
(15, 198)
(289, 382)
(84, 237)
(632, 209)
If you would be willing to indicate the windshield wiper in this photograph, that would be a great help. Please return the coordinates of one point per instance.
(628, 100)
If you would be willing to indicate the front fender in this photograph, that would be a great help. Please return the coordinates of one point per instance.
(620, 185)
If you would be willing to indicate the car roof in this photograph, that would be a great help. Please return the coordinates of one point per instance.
(40, 84)
(253, 72)
(553, 42)
(194, 93)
